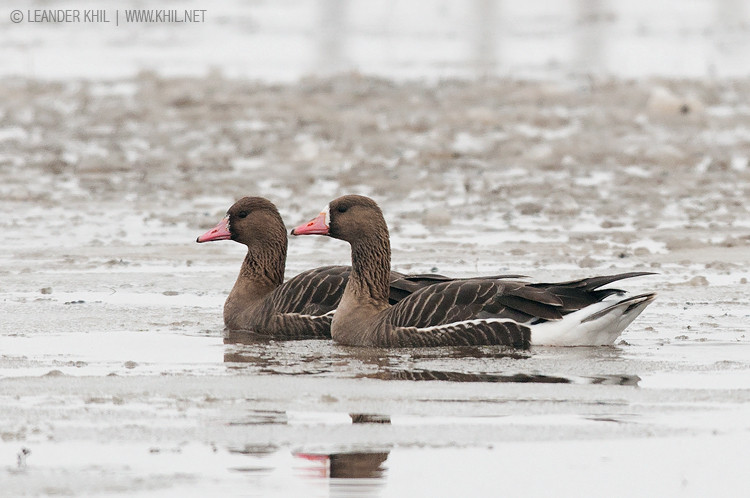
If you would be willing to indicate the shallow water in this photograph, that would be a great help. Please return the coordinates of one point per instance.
(139, 395)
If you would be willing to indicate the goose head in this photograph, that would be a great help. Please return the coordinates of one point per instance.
(250, 221)
(350, 218)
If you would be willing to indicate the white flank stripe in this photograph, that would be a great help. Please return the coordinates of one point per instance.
(467, 323)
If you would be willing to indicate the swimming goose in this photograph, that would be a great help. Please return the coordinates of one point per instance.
(479, 311)
(261, 302)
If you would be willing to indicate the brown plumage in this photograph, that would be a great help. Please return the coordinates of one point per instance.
(478, 311)
(261, 302)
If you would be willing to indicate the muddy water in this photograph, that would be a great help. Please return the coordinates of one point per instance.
(116, 377)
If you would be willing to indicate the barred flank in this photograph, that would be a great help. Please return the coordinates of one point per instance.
(470, 333)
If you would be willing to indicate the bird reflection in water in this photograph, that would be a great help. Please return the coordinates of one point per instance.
(300, 358)
(351, 465)
(348, 465)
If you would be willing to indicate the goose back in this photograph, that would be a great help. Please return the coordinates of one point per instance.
(487, 311)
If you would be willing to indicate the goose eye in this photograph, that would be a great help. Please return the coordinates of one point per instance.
(242, 214)
(341, 209)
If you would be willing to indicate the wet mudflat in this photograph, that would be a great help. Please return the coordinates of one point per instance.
(115, 374)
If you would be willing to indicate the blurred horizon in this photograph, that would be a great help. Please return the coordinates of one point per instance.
(401, 40)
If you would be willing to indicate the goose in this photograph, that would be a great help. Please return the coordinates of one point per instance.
(477, 311)
(261, 302)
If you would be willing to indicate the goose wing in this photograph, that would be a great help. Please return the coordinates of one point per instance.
(318, 291)
(402, 285)
(470, 299)
(577, 294)
(313, 292)
(502, 312)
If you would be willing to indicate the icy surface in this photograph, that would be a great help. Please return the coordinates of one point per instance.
(115, 375)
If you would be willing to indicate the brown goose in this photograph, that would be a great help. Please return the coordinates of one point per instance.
(261, 302)
(477, 311)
